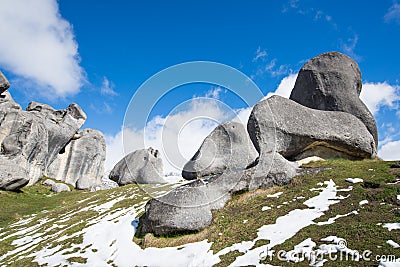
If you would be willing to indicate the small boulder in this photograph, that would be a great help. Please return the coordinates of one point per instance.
(48, 182)
(332, 81)
(143, 166)
(12, 176)
(228, 146)
(60, 187)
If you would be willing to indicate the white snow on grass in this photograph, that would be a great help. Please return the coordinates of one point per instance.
(354, 180)
(332, 220)
(285, 227)
(276, 195)
(389, 263)
(265, 208)
(305, 251)
(398, 197)
(392, 226)
(363, 202)
(393, 244)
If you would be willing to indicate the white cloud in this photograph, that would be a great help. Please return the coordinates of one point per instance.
(390, 151)
(260, 54)
(377, 95)
(349, 46)
(184, 130)
(39, 46)
(107, 88)
(285, 86)
(393, 14)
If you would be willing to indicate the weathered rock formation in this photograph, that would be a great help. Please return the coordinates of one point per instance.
(332, 81)
(12, 176)
(36, 137)
(332, 123)
(4, 84)
(143, 166)
(228, 146)
(33, 138)
(280, 125)
(81, 162)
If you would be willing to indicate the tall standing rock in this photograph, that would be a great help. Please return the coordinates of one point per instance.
(332, 81)
(143, 166)
(81, 162)
(228, 146)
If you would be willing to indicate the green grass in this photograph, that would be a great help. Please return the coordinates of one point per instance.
(361, 231)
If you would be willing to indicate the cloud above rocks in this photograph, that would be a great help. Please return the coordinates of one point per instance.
(39, 47)
(187, 128)
(393, 14)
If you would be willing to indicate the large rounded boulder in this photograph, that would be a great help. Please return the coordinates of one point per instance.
(332, 82)
(280, 125)
(143, 166)
(228, 146)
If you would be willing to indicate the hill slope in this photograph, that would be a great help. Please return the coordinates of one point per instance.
(317, 213)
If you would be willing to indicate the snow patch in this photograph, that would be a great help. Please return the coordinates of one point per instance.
(354, 180)
(393, 244)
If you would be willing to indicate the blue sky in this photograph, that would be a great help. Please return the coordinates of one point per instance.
(98, 53)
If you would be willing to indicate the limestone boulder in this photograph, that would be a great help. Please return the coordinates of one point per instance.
(228, 146)
(33, 138)
(332, 81)
(81, 162)
(60, 187)
(12, 176)
(143, 166)
(280, 125)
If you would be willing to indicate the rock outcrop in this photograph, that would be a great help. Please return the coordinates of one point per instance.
(332, 81)
(41, 140)
(60, 187)
(143, 166)
(12, 176)
(228, 146)
(81, 162)
(33, 138)
(326, 125)
(4, 84)
(297, 132)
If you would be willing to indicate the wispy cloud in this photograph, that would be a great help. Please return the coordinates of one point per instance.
(39, 46)
(268, 66)
(101, 107)
(107, 87)
(393, 14)
(260, 54)
(349, 47)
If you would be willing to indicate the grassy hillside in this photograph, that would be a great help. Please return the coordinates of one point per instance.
(39, 227)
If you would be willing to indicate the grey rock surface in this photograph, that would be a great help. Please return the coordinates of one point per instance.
(33, 138)
(228, 146)
(4, 84)
(60, 187)
(143, 166)
(280, 125)
(332, 81)
(48, 182)
(12, 176)
(106, 184)
(81, 162)
(189, 207)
